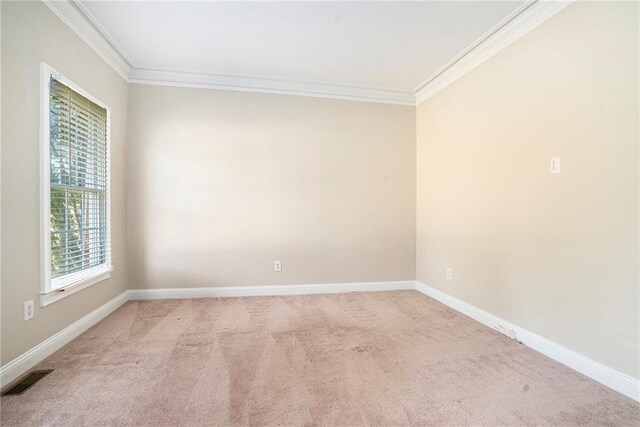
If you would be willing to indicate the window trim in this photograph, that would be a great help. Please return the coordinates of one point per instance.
(74, 282)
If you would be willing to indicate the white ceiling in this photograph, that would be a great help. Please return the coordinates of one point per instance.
(388, 45)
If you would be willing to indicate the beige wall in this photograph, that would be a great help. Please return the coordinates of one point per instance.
(221, 184)
(555, 254)
(32, 33)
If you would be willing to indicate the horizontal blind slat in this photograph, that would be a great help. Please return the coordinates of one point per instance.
(79, 179)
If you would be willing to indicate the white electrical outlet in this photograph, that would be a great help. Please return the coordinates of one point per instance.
(555, 165)
(277, 266)
(28, 310)
(449, 274)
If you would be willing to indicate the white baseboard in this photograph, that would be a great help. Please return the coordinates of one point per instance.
(611, 378)
(267, 290)
(21, 364)
(29, 359)
(605, 375)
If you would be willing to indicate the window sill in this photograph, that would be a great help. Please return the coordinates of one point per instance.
(57, 294)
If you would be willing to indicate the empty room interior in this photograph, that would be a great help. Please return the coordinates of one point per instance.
(409, 213)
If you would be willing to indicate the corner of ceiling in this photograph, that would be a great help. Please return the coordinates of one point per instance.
(72, 13)
(523, 20)
(532, 14)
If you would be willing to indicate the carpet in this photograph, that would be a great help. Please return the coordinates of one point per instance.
(382, 358)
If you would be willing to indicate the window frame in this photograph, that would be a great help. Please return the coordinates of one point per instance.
(52, 290)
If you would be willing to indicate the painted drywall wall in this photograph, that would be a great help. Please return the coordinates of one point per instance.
(31, 33)
(556, 254)
(221, 184)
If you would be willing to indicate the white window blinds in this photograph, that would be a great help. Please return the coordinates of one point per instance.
(78, 170)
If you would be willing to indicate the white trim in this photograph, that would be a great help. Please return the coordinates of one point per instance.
(270, 85)
(80, 20)
(21, 364)
(45, 179)
(77, 18)
(50, 291)
(70, 289)
(523, 20)
(605, 375)
(513, 27)
(79, 277)
(246, 291)
(29, 359)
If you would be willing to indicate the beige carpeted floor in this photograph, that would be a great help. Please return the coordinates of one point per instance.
(385, 358)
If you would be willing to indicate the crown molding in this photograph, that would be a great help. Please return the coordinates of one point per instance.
(270, 85)
(80, 20)
(85, 26)
(523, 20)
(512, 28)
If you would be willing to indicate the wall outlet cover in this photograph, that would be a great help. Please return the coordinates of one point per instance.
(28, 310)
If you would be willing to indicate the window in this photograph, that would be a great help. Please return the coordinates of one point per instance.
(75, 188)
